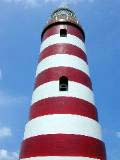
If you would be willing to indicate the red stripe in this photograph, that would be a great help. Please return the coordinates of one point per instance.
(53, 74)
(70, 30)
(63, 105)
(63, 145)
(63, 49)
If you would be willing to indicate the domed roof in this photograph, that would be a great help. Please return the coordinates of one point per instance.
(64, 14)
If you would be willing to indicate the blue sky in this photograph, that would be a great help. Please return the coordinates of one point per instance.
(21, 22)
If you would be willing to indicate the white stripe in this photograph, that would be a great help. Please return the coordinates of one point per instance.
(70, 39)
(51, 89)
(64, 60)
(63, 124)
(59, 158)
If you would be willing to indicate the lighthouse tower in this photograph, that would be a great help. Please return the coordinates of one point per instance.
(63, 122)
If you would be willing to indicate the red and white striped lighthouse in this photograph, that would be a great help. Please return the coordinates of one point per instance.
(63, 122)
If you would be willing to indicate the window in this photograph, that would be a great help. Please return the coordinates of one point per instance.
(63, 33)
(63, 83)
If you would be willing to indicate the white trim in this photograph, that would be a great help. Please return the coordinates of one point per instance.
(59, 158)
(64, 60)
(51, 89)
(70, 39)
(63, 124)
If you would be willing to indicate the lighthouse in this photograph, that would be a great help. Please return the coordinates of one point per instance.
(63, 122)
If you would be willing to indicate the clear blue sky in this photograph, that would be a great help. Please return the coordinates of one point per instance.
(21, 23)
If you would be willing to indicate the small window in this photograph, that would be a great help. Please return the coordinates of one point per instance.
(63, 33)
(63, 83)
